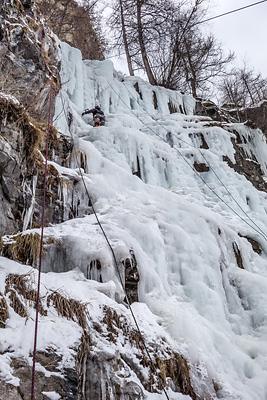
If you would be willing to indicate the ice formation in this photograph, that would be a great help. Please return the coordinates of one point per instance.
(185, 227)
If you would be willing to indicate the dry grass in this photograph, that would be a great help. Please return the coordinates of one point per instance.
(136, 339)
(21, 285)
(24, 248)
(82, 357)
(177, 369)
(165, 366)
(111, 320)
(19, 6)
(16, 304)
(34, 132)
(3, 311)
(33, 137)
(116, 324)
(52, 170)
(69, 308)
(51, 240)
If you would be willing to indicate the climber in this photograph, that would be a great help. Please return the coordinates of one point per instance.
(98, 115)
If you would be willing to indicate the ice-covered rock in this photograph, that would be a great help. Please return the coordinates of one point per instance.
(182, 200)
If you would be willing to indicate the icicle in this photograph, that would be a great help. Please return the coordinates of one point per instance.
(29, 212)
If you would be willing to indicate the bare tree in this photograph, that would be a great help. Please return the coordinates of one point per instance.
(140, 25)
(74, 24)
(125, 39)
(244, 87)
(162, 37)
(202, 60)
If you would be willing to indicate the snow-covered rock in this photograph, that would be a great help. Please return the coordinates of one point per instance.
(178, 198)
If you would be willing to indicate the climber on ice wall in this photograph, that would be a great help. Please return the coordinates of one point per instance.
(98, 115)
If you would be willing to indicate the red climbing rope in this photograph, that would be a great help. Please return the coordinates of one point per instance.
(42, 232)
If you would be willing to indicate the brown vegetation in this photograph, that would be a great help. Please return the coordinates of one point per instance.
(20, 285)
(33, 135)
(23, 248)
(174, 367)
(19, 288)
(69, 308)
(75, 25)
(3, 311)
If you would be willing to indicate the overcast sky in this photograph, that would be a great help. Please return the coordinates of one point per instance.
(244, 32)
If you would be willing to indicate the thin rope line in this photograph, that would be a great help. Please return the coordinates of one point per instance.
(201, 22)
(200, 177)
(230, 12)
(42, 235)
(211, 168)
(116, 265)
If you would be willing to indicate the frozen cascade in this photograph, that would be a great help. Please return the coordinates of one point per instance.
(202, 284)
(182, 235)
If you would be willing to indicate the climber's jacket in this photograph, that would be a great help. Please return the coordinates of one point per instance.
(98, 115)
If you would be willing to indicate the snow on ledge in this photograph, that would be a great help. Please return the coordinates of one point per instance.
(52, 395)
(9, 97)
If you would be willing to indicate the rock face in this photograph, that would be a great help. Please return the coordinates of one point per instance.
(111, 359)
(65, 385)
(255, 117)
(22, 149)
(258, 115)
(13, 165)
(25, 47)
(210, 109)
(247, 165)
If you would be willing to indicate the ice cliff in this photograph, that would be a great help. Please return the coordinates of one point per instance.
(182, 199)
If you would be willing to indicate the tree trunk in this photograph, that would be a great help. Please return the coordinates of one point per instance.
(178, 42)
(191, 72)
(128, 57)
(149, 72)
(248, 89)
(193, 87)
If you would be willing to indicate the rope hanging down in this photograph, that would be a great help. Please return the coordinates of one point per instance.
(258, 230)
(155, 371)
(42, 231)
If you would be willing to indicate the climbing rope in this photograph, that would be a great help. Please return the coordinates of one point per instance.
(258, 230)
(42, 231)
(153, 367)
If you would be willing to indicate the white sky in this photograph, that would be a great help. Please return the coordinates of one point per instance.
(243, 32)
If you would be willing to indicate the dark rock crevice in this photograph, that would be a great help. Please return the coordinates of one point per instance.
(255, 117)
(250, 168)
(132, 277)
(138, 171)
(172, 107)
(201, 167)
(238, 256)
(255, 245)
